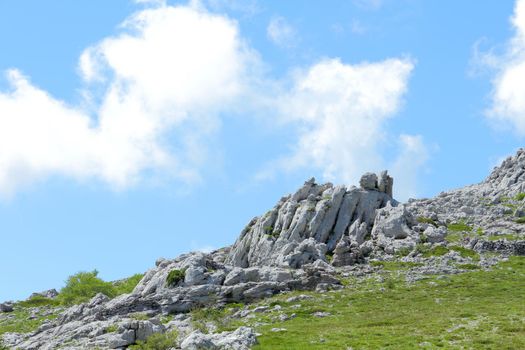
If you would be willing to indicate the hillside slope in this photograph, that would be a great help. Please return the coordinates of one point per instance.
(328, 267)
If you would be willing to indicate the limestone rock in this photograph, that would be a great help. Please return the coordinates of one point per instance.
(6, 307)
(241, 339)
(308, 224)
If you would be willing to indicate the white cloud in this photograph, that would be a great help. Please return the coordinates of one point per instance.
(508, 96)
(281, 33)
(167, 78)
(172, 70)
(341, 110)
(409, 164)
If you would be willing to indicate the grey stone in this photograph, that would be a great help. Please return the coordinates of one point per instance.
(369, 181)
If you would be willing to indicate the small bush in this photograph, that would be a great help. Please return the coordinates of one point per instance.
(111, 329)
(127, 285)
(174, 277)
(158, 341)
(83, 286)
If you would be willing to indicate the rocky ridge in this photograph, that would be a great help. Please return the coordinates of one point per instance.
(307, 241)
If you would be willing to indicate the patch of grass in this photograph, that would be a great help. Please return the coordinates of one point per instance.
(218, 317)
(38, 301)
(467, 266)
(473, 310)
(428, 251)
(166, 319)
(140, 316)
(158, 341)
(459, 227)
(395, 265)
(22, 320)
(520, 196)
(479, 231)
(404, 251)
(175, 276)
(465, 252)
(507, 236)
(425, 220)
(520, 220)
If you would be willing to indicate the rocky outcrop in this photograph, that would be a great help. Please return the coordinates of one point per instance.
(310, 223)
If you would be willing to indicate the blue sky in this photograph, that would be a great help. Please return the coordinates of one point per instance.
(131, 130)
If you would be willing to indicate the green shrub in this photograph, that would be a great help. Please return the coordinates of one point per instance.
(83, 286)
(127, 285)
(175, 276)
(37, 301)
(112, 328)
(157, 341)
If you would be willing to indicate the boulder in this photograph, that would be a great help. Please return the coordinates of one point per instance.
(6, 307)
(368, 181)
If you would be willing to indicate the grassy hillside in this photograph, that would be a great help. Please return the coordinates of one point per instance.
(474, 310)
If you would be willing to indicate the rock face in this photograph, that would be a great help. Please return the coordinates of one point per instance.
(310, 223)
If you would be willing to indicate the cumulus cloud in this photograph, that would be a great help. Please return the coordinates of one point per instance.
(171, 70)
(281, 33)
(156, 93)
(407, 167)
(508, 96)
(340, 111)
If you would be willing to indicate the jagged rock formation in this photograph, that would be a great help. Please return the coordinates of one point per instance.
(305, 242)
(309, 224)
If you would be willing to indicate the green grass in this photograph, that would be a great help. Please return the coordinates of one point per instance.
(459, 227)
(520, 196)
(157, 341)
(127, 285)
(37, 301)
(507, 236)
(425, 220)
(465, 252)
(174, 277)
(19, 320)
(395, 265)
(430, 251)
(111, 329)
(474, 310)
(467, 266)
(520, 220)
